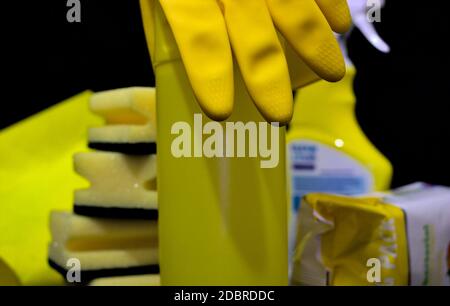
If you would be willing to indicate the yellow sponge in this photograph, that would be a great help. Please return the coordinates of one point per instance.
(130, 118)
(103, 247)
(134, 280)
(122, 186)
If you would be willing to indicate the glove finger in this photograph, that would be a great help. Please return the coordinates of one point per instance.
(303, 25)
(202, 39)
(301, 75)
(337, 13)
(260, 57)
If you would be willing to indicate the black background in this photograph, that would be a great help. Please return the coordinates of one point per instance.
(403, 103)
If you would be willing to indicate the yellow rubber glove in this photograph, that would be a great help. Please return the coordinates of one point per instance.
(208, 32)
(36, 177)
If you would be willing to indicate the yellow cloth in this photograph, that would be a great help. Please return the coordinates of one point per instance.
(36, 177)
(7, 276)
(208, 32)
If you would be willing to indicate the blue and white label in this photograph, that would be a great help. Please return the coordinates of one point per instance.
(316, 167)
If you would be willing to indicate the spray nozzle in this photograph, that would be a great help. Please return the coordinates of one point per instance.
(364, 14)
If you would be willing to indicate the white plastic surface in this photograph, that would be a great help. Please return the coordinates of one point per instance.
(359, 10)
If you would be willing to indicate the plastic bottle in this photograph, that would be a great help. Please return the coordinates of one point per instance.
(222, 221)
(327, 151)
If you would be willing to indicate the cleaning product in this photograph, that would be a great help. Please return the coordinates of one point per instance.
(37, 177)
(400, 237)
(112, 232)
(121, 186)
(103, 247)
(207, 33)
(132, 280)
(7, 275)
(130, 123)
(326, 149)
(222, 220)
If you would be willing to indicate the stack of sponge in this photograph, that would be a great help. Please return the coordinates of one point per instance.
(112, 236)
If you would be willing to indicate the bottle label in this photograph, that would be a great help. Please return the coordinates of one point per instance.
(315, 167)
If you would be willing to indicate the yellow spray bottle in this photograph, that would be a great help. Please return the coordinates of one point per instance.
(327, 151)
(222, 220)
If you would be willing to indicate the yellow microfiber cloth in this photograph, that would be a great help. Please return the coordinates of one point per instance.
(7, 276)
(36, 177)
